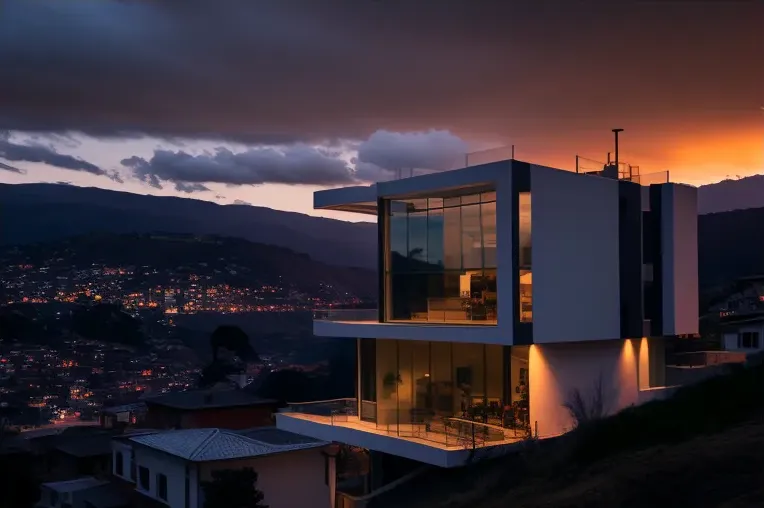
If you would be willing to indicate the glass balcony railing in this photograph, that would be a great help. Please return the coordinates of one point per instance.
(350, 315)
(444, 431)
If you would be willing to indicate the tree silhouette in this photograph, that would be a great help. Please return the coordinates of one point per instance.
(233, 339)
(233, 488)
(288, 386)
(216, 372)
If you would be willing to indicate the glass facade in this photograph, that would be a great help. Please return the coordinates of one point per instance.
(441, 259)
(417, 387)
(524, 242)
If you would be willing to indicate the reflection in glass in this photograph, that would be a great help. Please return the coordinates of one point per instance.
(472, 244)
(526, 275)
(452, 238)
(422, 386)
(418, 240)
(441, 266)
(488, 225)
(435, 238)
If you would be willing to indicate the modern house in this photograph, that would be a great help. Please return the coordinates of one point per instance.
(505, 289)
(168, 468)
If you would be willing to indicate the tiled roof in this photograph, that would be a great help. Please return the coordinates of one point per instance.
(201, 399)
(202, 445)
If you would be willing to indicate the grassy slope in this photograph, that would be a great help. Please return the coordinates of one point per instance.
(702, 448)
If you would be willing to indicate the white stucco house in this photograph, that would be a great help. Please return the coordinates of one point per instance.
(169, 467)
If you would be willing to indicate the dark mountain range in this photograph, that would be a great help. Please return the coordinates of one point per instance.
(729, 195)
(42, 212)
(728, 240)
(233, 261)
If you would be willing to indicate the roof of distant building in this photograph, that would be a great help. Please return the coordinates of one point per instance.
(205, 399)
(203, 445)
(137, 406)
(84, 445)
(74, 485)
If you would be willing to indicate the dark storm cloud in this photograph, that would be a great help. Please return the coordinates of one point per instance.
(432, 149)
(297, 164)
(12, 169)
(189, 188)
(280, 72)
(378, 158)
(17, 152)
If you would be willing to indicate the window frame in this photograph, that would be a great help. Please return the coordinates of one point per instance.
(119, 463)
(161, 480)
(141, 486)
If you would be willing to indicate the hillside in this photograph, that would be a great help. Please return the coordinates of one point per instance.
(671, 453)
(229, 260)
(42, 212)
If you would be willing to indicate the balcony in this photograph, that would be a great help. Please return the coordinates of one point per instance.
(436, 440)
(445, 319)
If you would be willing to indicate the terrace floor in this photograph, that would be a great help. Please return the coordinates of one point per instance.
(416, 433)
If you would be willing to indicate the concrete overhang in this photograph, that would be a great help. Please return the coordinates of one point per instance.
(474, 178)
(357, 199)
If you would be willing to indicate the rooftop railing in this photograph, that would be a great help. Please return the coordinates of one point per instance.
(583, 165)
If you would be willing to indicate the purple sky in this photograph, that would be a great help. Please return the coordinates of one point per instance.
(264, 102)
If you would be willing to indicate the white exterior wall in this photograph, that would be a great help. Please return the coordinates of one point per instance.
(575, 257)
(126, 450)
(679, 238)
(287, 480)
(172, 467)
(730, 343)
(557, 369)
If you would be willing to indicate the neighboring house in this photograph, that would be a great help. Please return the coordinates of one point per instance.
(81, 454)
(87, 492)
(744, 335)
(228, 408)
(63, 453)
(168, 467)
(504, 289)
(123, 416)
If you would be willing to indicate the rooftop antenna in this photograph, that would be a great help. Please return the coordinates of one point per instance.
(616, 131)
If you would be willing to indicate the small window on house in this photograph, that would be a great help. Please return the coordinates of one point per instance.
(133, 472)
(162, 486)
(144, 480)
(748, 340)
(119, 465)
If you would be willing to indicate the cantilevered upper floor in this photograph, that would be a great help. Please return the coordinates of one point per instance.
(516, 253)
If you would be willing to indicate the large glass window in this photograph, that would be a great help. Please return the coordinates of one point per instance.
(423, 385)
(526, 274)
(441, 262)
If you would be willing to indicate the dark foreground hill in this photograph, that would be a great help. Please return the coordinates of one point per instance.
(673, 453)
(42, 212)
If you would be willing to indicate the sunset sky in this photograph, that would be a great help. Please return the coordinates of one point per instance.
(266, 101)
